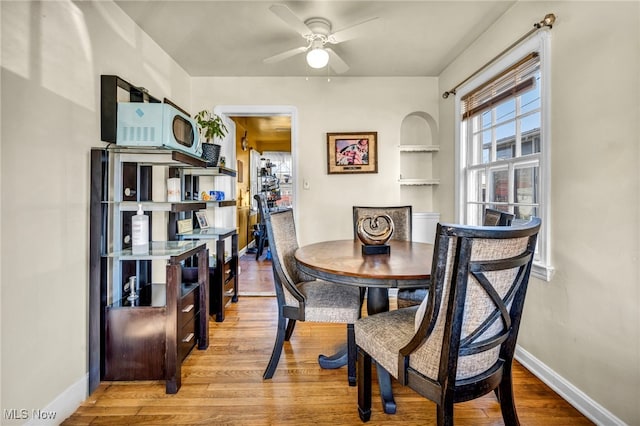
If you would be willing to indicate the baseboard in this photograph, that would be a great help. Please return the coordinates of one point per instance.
(574, 396)
(65, 404)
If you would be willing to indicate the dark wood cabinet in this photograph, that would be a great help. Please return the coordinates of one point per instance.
(223, 268)
(149, 336)
(224, 282)
(222, 240)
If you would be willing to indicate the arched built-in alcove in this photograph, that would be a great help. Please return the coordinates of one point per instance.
(418, 145)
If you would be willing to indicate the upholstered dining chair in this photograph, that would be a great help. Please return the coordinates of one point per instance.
(402, 222)
(458, 344)
(493, 217)
(302, 298)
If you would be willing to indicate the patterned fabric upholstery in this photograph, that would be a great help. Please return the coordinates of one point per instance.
(329, 302)
(459, 343)
(382, 335)
(302, 298)
(324, 301)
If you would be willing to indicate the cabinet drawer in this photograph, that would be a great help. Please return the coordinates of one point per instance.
(188, 307)
(228, 272)
(187, 338)
(229, 285)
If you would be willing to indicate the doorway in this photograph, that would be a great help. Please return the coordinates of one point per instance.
(266, 155)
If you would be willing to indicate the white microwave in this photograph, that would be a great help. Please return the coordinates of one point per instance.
(157, 125)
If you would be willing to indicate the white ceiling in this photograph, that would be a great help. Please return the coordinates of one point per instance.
(231, 38)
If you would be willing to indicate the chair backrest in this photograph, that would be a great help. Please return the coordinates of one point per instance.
(262, 205)
(493, 217)
(400, 215)
(283, 243)
(471, 317)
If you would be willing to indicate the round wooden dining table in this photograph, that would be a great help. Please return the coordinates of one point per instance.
(408, 265)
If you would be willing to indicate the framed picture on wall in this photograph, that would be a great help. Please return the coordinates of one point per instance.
(352, 152)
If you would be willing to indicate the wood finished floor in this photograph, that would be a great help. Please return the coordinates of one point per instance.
(256, 278)
(223, 385)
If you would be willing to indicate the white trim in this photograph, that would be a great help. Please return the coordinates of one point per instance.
(265, 111)
(543, 272)
(540, 42)
(64, 405)
(574, 396)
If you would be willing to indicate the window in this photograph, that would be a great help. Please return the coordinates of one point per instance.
(503, 142)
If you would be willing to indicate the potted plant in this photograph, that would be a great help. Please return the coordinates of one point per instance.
(211, 127)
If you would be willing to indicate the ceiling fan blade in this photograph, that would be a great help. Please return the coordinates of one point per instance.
(336, 62)
(284, 13)
(349, 32)
(284, 55)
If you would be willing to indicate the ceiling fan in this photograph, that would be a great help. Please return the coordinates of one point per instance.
(317, 32)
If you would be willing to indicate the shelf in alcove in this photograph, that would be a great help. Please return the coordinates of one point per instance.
(419, 182)
(418, 148)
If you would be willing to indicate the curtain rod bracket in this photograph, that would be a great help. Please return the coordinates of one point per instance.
(548, 21)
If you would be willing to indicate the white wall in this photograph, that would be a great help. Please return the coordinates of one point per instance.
(342, 105)
(585, 323)
(53, 54)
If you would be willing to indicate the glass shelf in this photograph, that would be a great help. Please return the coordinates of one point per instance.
(153, 295)
(159, 206)
(158, 250)
(208, 233)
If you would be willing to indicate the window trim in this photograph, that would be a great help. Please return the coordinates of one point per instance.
(541, 43)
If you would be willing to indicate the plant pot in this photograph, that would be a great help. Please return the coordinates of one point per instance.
(211, 153)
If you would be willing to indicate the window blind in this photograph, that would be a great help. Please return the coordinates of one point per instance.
(508, 84)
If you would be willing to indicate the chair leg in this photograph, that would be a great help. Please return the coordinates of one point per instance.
(277, 349)
(364, 385)
(352, 355)
(261, 240)
(507, 402)
(291, 324)
(445, 413)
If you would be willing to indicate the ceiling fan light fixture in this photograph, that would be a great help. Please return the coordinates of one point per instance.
(317, 57)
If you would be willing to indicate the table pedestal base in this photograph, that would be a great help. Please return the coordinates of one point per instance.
(377, 301)
(337, 360)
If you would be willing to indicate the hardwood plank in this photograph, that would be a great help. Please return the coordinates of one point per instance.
(224, 385)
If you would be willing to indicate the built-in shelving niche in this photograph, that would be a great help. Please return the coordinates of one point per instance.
(417, 149)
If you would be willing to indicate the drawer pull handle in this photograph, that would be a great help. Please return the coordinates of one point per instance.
(188, 338)
(187, 308)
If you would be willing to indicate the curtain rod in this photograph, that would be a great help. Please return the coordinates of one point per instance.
(548, 21)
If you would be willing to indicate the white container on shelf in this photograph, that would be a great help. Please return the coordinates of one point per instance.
(173, 190)
(140, 232)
